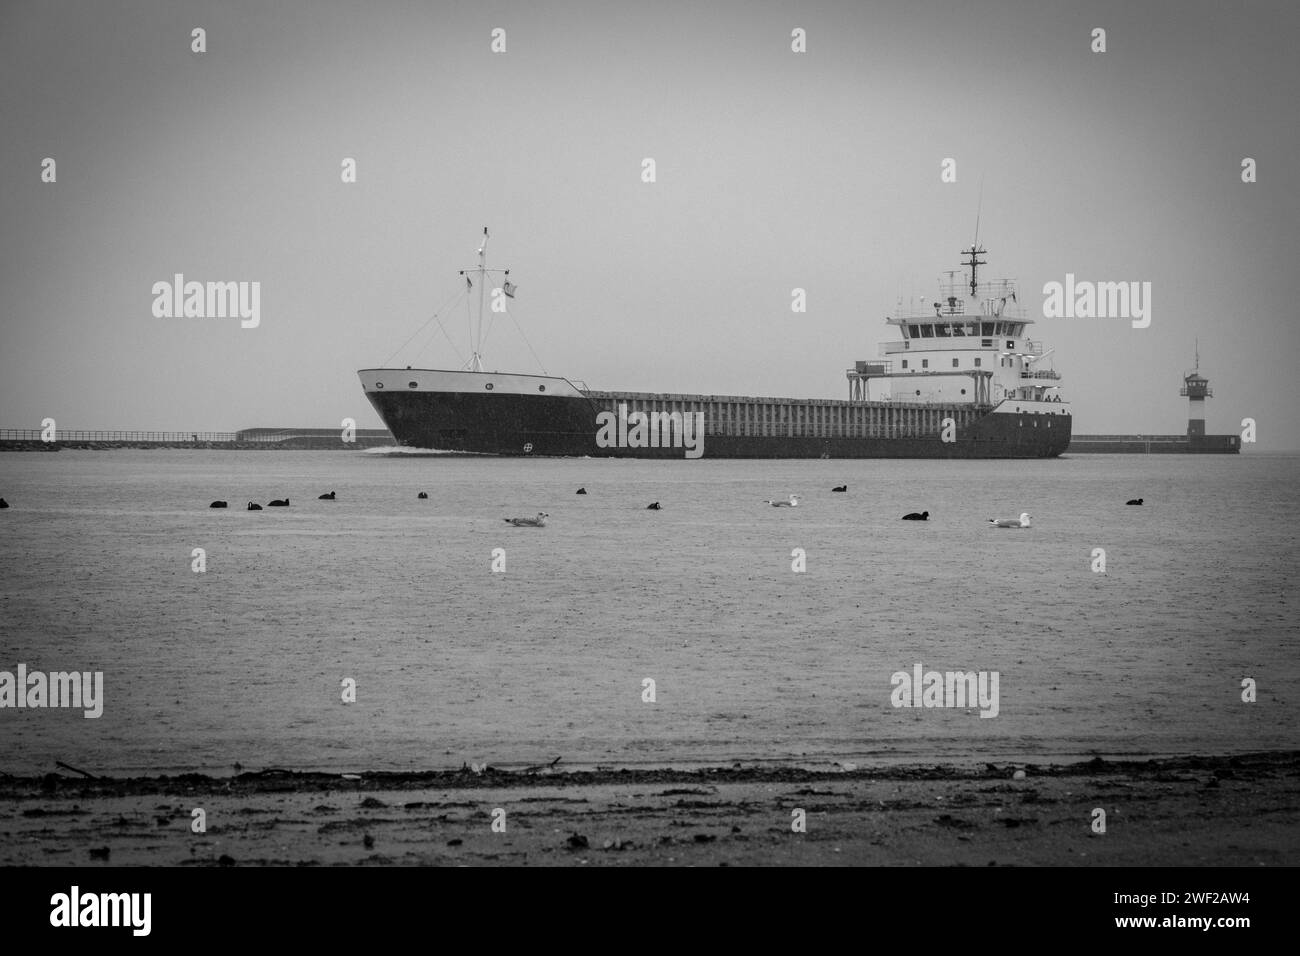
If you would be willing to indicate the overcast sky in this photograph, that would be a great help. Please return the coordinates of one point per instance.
(775, 170)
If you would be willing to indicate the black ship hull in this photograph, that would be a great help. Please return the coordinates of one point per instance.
(558, 425)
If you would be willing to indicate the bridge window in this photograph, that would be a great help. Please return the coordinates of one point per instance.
(913, 332)
(925, 363)
(941, 331)
(904, 363)
(986, 328)
(954, 363)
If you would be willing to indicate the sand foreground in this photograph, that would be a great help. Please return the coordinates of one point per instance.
(1196, 811)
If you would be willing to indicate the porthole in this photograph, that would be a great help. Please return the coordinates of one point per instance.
(379, 384)
(963, 391)
(541, 388)
(412, 384)
(918, 391)
(488, 386)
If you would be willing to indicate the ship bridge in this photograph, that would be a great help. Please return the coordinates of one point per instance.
(968, 343)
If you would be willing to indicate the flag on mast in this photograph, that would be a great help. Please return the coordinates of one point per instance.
(509, 288)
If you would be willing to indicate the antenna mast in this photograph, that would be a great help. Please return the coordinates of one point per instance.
(974, 261)
(976, 249)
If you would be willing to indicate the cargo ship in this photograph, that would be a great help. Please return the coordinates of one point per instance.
(963, 380)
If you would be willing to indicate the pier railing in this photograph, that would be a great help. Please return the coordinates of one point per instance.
(61, 434)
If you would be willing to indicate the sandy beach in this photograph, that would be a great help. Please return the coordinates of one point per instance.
(1195, 811)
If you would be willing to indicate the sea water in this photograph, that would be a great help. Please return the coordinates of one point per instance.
(250, 660)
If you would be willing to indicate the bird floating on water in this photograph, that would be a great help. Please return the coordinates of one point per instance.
(327, 497)
(538, 522)
(1021, 522)
(653, 506)
(1133, 501)
(217, 504)
(840, 488)
(254, 507)
(923, 516)
(581, 491)
(792, 503)
(278, 503)
(423, 494)
(3, 503)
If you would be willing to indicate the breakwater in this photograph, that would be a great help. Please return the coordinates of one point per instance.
(1156, 444)
(254, 439)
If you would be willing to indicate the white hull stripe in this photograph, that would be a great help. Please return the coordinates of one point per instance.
(441, 380)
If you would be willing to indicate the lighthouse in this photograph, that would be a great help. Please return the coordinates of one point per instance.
(1197, 389)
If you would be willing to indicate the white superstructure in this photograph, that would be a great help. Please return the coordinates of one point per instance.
(968, 344)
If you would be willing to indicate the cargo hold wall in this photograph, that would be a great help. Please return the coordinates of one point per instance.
(795, 418)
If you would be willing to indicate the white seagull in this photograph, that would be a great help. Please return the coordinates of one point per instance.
(538, 522)
(792, 503)
(1021, 522)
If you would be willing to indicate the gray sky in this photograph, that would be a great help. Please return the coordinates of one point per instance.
(775, 170)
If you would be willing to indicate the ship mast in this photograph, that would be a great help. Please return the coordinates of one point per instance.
(976, 250)
(974, 261)
(476, 330)
(476, 358)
